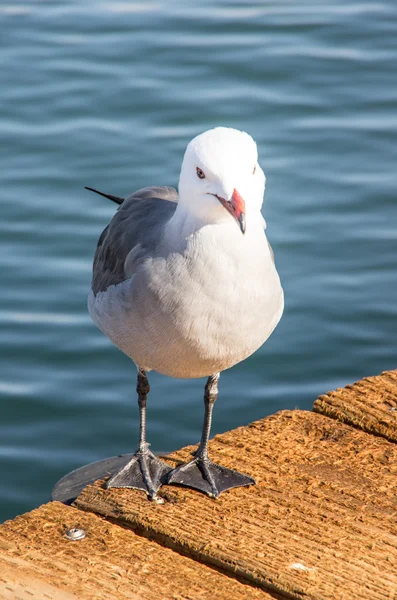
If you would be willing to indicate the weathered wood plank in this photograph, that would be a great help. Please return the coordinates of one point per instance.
(369, 404)
(37, 562)
(17, 582)
(321, 523)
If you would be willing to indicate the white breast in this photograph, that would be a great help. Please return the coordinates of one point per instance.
(198, 311)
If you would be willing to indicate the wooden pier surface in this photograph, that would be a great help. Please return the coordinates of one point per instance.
(320, 523)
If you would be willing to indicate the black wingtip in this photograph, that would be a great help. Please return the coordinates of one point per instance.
(115, 199)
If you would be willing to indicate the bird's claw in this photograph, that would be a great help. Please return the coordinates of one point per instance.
(143, 472)
(208, 477)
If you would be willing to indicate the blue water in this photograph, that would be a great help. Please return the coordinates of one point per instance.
(108, 94)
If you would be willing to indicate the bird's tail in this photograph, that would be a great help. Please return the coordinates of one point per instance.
(115, 199)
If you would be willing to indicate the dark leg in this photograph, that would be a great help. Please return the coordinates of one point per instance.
(144, 471)
(200, 473)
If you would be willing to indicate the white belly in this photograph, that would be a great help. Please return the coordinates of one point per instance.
(192, 318)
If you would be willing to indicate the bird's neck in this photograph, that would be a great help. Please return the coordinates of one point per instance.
(183, 225)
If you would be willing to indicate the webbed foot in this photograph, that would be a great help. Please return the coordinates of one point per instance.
(143, 472)
(208, 477)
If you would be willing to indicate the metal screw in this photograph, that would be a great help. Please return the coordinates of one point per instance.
(75, 534)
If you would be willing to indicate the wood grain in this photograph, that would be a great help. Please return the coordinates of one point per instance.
(369, 404)
(37, 562)
(320, 523)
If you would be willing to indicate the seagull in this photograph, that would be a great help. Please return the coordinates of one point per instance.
(186, 285)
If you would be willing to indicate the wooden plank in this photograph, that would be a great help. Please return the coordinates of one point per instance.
(320, 523)
(369, 404)
(37, 562)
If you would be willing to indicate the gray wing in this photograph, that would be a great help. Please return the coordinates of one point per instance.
(132, 235)
(271, 250)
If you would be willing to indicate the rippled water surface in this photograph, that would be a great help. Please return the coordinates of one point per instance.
(108, 94)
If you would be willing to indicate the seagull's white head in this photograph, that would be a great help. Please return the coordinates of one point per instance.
(221, 179)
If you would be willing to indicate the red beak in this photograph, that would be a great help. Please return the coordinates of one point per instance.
(236, 207)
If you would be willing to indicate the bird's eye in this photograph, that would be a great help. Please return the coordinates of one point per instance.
(200, 173)
(253, 172)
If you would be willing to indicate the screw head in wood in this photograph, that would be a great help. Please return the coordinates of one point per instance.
(75, 534)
